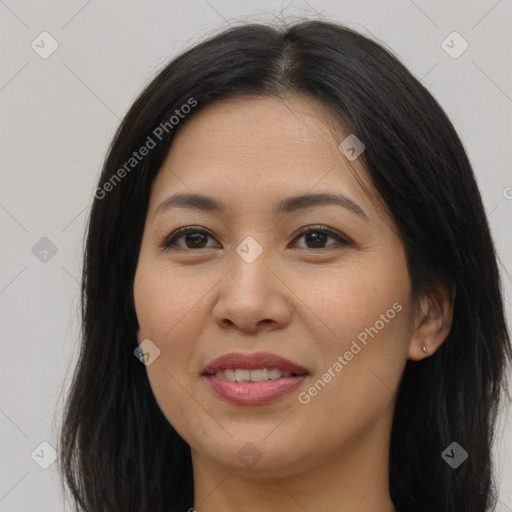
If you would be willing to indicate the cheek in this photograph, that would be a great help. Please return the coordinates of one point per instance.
(355, 386)
(171, 389)
(169, 318)
(364, 355)
(366, 301)
(164, 301)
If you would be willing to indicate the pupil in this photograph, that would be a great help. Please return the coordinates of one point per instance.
(318, 239)
(196, 238)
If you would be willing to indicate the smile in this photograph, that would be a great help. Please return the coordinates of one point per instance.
(259, 375)
(253, 379)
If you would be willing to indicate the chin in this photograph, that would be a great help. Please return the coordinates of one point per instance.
(277, 456)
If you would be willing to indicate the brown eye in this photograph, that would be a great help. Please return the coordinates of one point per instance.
(316, 237)
(193, 239)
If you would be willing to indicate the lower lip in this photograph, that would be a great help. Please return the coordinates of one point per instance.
(253, 393)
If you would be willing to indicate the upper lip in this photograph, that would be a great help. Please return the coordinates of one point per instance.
(252, 361)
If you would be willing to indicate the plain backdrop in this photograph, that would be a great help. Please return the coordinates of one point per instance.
(58, 115)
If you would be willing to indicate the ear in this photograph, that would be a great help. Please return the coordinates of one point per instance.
(433, 322)
(139, 337)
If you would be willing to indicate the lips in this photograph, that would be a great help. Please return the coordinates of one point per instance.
(253, 379)
(259, 360)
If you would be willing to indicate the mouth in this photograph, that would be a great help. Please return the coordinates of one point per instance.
(258, 375)
(253, 379)
(255, 367)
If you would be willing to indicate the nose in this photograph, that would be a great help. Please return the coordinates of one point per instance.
(252, 296)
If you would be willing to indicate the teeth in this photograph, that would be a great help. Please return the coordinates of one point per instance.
(242, 375)
(259, 375)
(274, 373)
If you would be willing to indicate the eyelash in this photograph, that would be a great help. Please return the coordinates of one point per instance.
(168, 242)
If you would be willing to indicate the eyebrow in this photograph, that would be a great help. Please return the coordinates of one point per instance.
(285, 206)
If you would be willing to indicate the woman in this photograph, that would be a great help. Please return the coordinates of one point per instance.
(288, 235)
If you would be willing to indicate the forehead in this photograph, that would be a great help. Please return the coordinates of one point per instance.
(255, 149)
(289, 128)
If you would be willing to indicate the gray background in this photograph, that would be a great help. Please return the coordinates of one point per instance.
(58, 115)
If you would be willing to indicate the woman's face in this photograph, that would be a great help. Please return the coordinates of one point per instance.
(249, 287)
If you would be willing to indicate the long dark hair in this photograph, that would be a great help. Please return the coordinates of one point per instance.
(117, 450)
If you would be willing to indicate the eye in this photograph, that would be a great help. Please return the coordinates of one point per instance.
(195, 238)
(316, 237)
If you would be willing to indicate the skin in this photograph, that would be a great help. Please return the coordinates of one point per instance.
(302, 301)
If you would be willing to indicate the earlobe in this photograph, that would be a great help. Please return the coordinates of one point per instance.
(434, 322)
